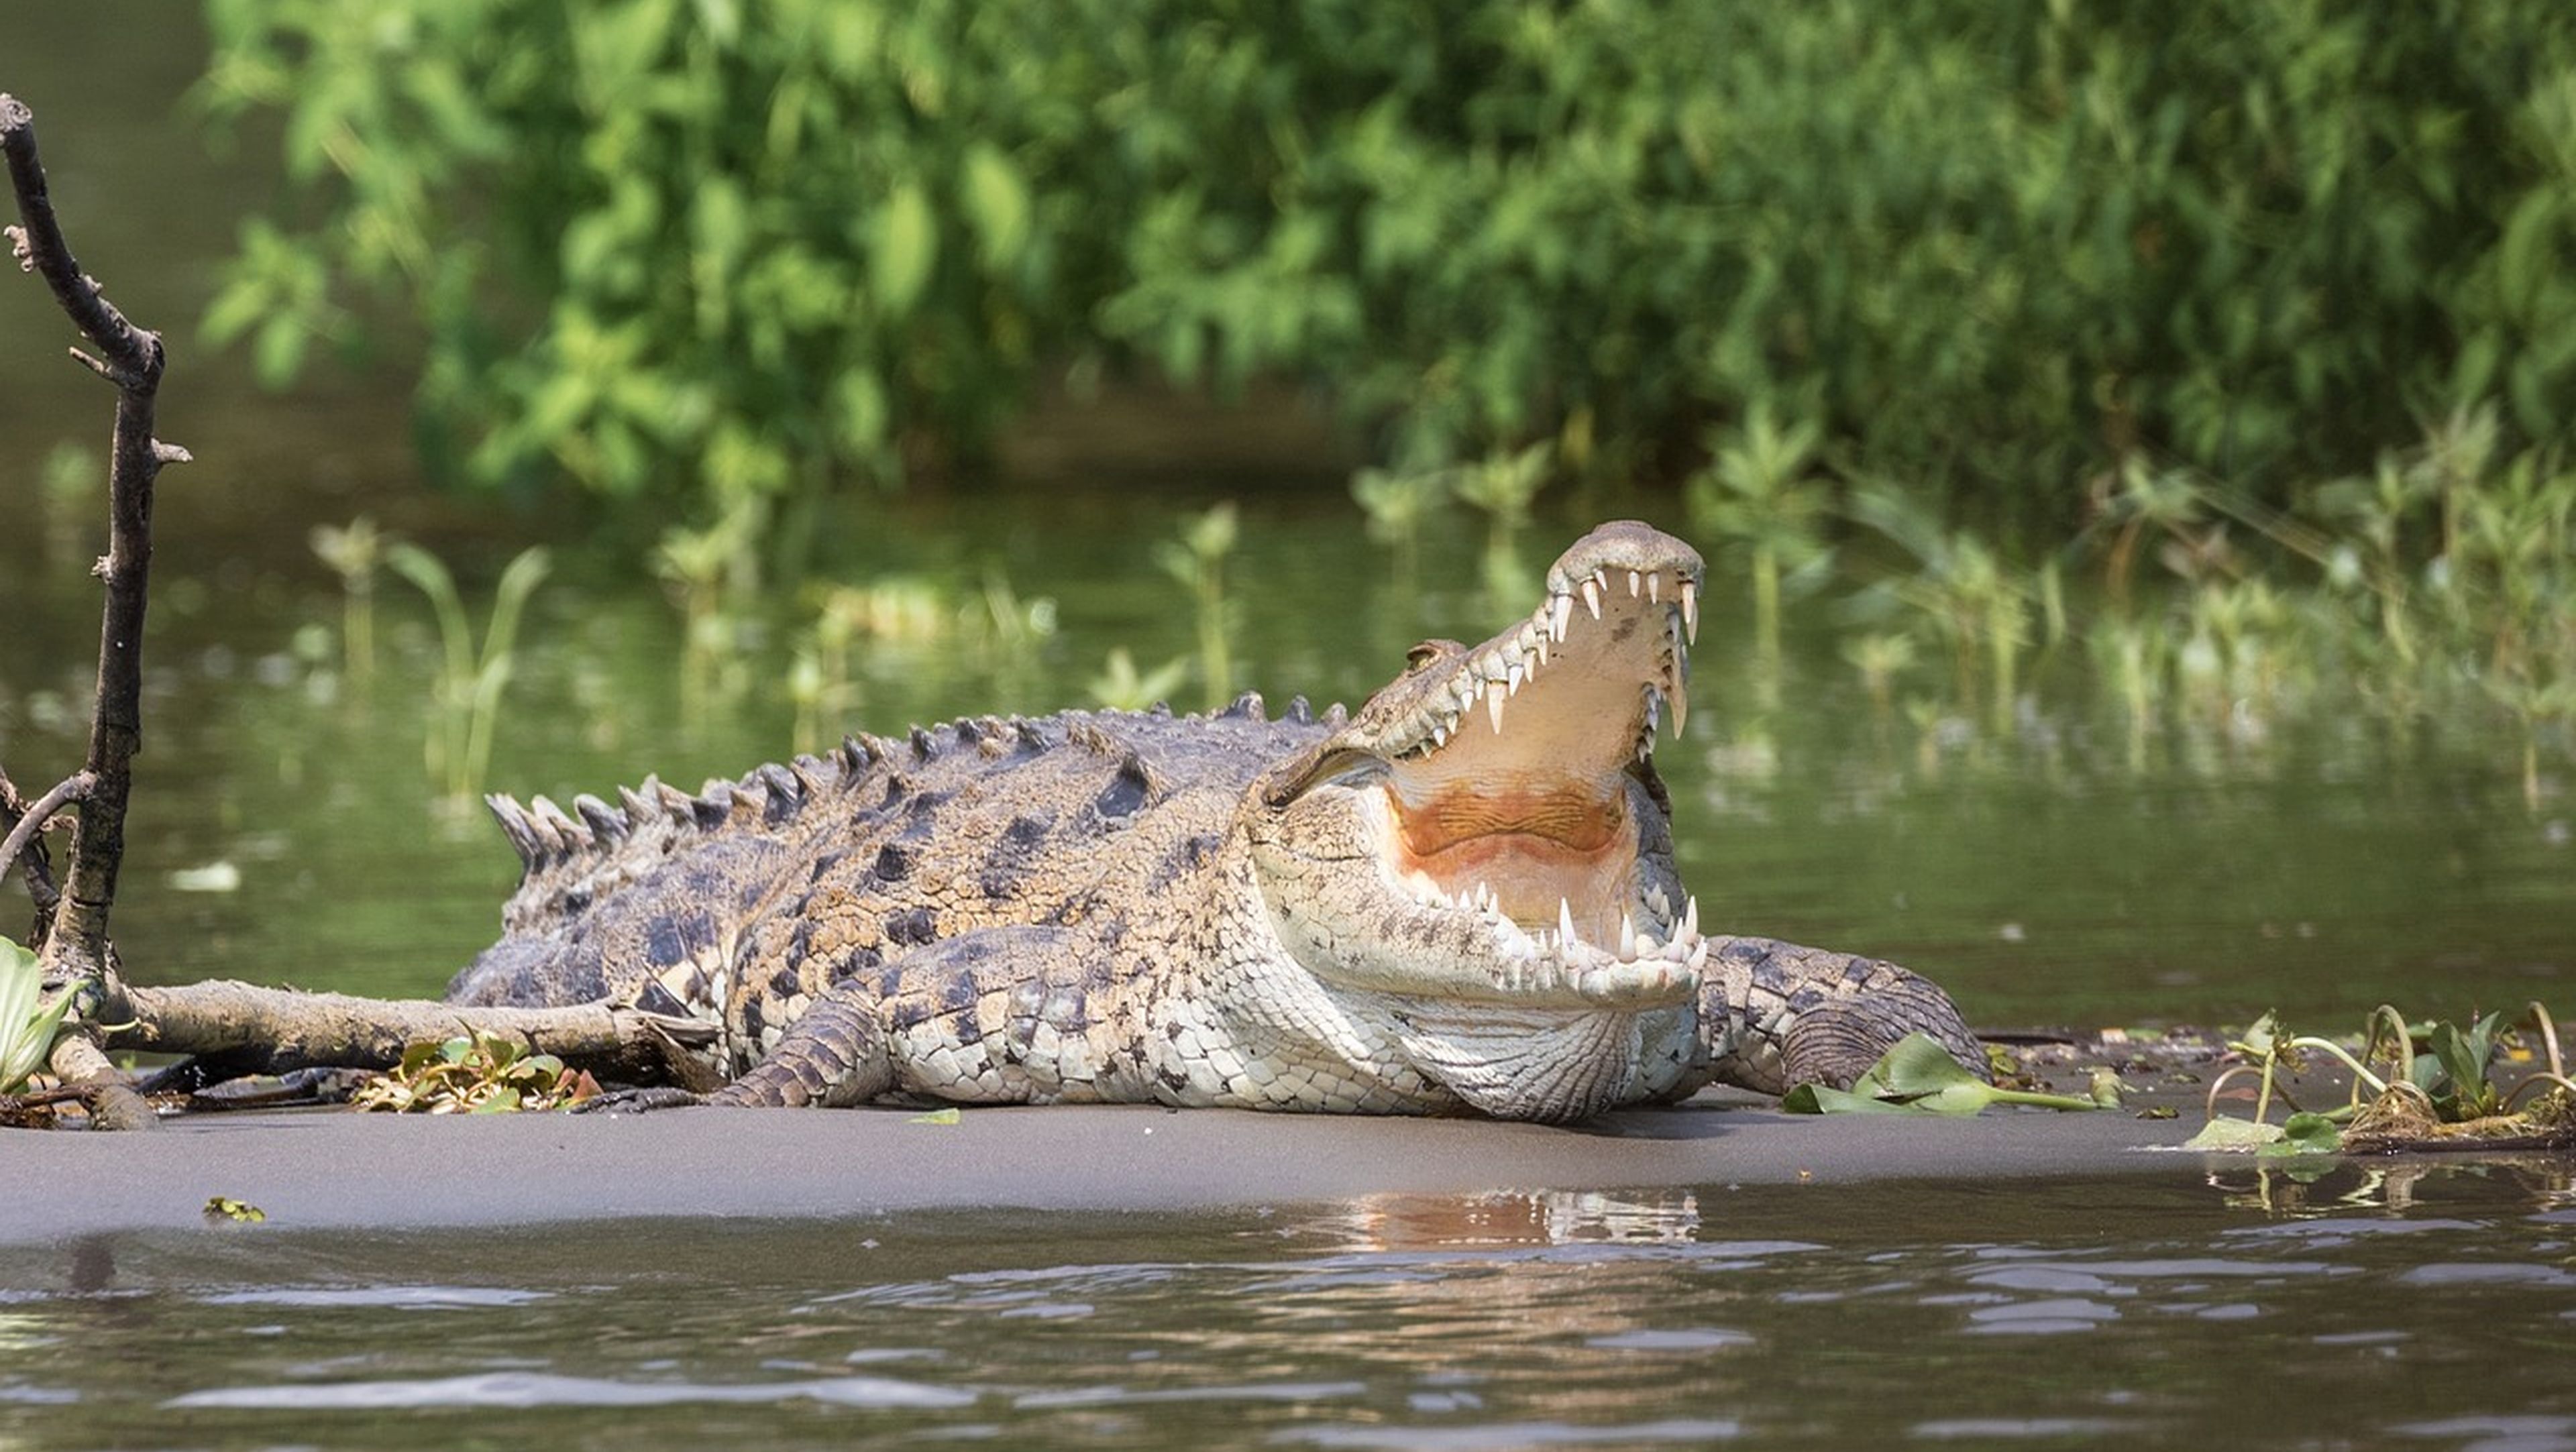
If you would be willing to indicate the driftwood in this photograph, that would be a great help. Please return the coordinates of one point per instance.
(248, 1029)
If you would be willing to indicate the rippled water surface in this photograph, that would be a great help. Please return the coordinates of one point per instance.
(2429, 1307)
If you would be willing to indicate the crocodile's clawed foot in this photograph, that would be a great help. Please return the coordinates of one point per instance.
(638, 1101)
(1836, 1042)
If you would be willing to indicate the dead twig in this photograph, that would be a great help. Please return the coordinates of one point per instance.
(131, 358)
(31, 821)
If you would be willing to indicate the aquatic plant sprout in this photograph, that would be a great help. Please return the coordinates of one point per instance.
(2421, 1099)
(27, 1027)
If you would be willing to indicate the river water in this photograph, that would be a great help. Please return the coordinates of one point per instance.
(2057, 872)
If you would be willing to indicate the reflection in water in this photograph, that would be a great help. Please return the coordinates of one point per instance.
(1523, 1217)
(2331, 1186)
(2409, 1301)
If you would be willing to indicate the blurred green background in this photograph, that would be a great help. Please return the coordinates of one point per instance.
(2128, 438)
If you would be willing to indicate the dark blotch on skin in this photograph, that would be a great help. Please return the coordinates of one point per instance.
(1124, 795)
(893, 863)
(912, 927)
(662, 944)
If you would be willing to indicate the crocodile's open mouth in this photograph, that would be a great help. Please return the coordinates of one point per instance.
(1519, 789)
(1488, 828)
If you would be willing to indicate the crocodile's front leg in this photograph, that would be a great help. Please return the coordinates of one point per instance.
(925, 1033)
(1778, 1015)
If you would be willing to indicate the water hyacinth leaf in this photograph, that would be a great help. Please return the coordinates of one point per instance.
(2304, 1134)
(938, 1116)
(1817, 1099)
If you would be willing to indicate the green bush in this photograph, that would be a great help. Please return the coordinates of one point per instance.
(708, 250)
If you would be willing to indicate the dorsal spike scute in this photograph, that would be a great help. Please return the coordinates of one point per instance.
(1336, 716)
(712, 806)
(607, 824)
(780, 782)
(969, 731)
(1300, 712)
(993, 738)
(559, 832)
(1249, 705)
(641, 805)
(1160, 710)
(923, 746)
(854, 757)
(1137, 769)
(814, 776)
(676, 804)
(514, 825)
(1030, 737)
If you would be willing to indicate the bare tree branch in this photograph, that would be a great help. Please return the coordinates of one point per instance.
(131, 358)
(33, 866)
(23, 833)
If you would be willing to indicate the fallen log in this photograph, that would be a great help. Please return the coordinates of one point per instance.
(253, 1030)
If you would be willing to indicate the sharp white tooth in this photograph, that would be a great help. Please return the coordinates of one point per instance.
(1513, 676)
(1541, 647)
(1439, 736)
(1592, 597)
(1699, 956)
(1679, 694)
(1655, 588)
(1690, 916)
(1654, 709)
(1690, 609)
(1565, 921)
(1635, 584)
(1562, 611)
(1627, 936)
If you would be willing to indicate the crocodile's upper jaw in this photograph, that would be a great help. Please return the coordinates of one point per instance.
(1488, 828)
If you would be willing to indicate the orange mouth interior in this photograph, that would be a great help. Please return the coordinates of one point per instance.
(1534, 846)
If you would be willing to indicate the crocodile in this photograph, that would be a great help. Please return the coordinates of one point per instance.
(1462, 897)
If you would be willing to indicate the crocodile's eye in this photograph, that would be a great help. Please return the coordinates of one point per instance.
(1430, 653)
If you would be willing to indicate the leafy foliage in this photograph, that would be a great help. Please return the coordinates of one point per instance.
(664, 247)
(2444, 1098)
(1917, 1076)
(473, 1074)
